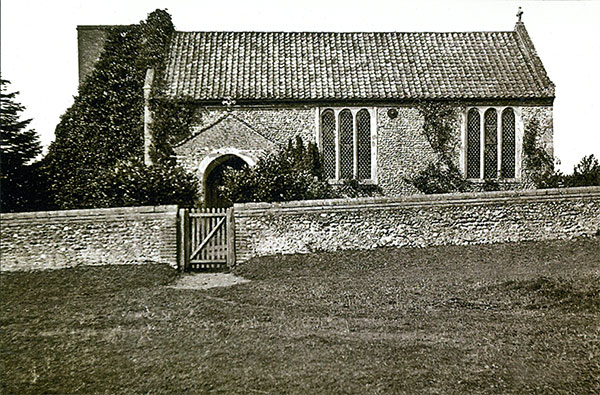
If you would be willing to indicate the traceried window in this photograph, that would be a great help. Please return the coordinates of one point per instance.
(491, 144)
(346, 143)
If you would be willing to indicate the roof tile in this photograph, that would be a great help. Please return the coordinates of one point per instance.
(328, 66)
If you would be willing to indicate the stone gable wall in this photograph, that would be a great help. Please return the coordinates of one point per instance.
(415, 221)
(61, 239)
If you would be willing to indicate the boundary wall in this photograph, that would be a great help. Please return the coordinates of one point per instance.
(415, 221)
(60, 239)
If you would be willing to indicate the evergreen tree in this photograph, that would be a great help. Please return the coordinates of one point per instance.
(19, 146)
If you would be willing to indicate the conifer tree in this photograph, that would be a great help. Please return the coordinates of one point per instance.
(18, 147)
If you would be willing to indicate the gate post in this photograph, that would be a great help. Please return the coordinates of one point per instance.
(184, 239)
(230, 223)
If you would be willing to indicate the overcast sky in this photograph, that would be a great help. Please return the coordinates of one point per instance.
(39, 44)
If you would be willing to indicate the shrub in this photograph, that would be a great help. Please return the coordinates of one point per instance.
(131, 183)
(440, 177)
(539, 164)
(289, 174)
(292, 173)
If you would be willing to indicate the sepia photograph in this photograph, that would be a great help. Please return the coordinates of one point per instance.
(308, 197)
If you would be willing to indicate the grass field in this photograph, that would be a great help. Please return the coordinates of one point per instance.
(513, 318)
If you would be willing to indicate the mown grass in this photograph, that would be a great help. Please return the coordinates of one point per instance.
(512, 318)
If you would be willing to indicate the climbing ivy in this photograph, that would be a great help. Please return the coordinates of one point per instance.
(172, 121)
(104, 126)
(539, 164)
(440, 122)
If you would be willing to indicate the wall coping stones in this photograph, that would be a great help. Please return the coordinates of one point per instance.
(419, 200)
(86, 213)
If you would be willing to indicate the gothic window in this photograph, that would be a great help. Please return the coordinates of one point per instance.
(363, 124)
(328, 136)
(473, 144)
(346, 144)
(491, 143)
(508, 143)
(490, 152)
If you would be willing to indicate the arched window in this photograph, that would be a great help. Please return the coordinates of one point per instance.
(346, 145)
(328, 136)
(363, 126)
(508, 143)
(473, 144)
(490, 153)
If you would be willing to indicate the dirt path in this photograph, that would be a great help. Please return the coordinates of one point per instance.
(207, 280)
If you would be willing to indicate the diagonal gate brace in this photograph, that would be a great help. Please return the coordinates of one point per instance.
(208, 237)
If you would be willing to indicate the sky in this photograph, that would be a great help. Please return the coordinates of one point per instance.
(38, 44)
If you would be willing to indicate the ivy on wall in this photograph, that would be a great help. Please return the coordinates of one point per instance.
(440, 122)
(539, 164)
(104, 128)
(172, 121)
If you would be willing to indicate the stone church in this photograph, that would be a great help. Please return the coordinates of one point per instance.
(356, 95)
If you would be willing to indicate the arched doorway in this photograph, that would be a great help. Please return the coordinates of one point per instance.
(213, 178)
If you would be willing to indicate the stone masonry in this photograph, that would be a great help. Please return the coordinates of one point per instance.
(61, 239)
(415, 221)
(401, 146)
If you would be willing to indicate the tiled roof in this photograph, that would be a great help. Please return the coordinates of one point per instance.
(212, 66)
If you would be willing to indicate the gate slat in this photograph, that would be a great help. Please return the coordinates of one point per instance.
(202, 222)
(194, 233)
(220, 242)
(210, 226)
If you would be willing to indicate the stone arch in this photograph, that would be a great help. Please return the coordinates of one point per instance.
(211, 170)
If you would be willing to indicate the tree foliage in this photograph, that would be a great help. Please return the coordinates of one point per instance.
(585, 173)
(18, 147)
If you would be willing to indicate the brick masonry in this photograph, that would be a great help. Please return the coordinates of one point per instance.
(61, 239)
(415, 221)
(401, 146)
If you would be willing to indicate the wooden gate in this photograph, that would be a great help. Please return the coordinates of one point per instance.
(206, 238)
